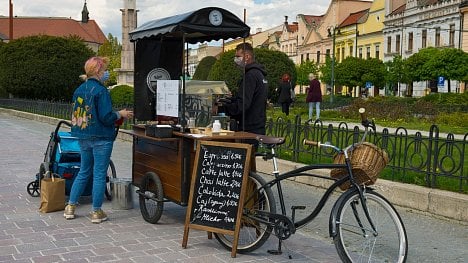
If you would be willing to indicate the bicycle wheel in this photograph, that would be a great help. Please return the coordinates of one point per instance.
(111, 174)
(253, 232)
(355, 241)
(151, 190)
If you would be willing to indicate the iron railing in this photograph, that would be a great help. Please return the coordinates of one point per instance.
(429, 160)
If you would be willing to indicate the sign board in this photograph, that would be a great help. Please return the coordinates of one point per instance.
(217, 189)
(368, 85)
(167, 98)
(440, 81)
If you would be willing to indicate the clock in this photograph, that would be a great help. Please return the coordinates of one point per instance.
(153, 77)
(216, 18)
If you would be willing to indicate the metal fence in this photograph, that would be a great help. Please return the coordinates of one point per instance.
(430, 160)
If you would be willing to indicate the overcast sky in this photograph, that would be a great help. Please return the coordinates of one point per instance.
(263, 14)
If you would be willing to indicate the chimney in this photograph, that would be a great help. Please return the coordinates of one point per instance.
(286, 20)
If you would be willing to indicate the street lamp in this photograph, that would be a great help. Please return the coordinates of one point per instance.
(332, 31)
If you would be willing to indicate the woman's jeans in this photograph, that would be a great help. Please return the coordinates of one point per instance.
(95, 158)
(317, 109)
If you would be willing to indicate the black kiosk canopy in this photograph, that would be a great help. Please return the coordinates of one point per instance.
(159, 48)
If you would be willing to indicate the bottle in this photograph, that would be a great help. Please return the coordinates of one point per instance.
(216, 126)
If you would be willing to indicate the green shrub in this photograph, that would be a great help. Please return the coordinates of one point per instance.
(43, 67)
(204, 68)
(122, 95)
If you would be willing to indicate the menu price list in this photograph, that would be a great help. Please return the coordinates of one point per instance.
(218, 186)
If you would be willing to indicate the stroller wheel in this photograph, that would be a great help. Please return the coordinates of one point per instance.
(111, 174)
(33, 188)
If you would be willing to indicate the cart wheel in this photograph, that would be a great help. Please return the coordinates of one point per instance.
(151, 190)
(33, 188)
(110, 174)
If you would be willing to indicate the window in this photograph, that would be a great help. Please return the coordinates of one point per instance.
(397, 44)
(367, 52)
(337, 55)
(318, 56)
(437, 37)
(410, 41)
(342, 53)
(327, 52)
(377, 51)
(351, 53)
(452, 35)
(307, 57)
(424, 38)
(389, 44)
(302, 58)
(360, 52)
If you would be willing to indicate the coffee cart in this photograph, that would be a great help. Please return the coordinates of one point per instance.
(163, 158)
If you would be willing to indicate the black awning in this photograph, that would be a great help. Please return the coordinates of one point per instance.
(206, 24)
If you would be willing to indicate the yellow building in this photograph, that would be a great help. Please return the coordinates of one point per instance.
(360, 35)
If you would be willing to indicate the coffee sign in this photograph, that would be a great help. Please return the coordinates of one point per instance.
(217, 190)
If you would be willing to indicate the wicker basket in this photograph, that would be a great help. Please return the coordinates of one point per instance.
(367, 160)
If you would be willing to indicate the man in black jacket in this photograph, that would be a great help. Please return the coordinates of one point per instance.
(248, 107)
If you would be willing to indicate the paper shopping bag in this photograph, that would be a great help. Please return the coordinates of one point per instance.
(52, 194)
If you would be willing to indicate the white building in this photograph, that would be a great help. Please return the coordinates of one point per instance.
(415, 24)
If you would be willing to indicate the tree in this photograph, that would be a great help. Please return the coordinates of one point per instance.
(418, 69)
(43, 67)
(276, 64)
(113, 50)
(303, 70)
(204, 68)
(349, 73)
(450, 63)
(396, 73)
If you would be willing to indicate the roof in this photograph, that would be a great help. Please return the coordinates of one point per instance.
(310, 19)
(353, 18)
(194, 26)
(292, 27)
(398, 10)
(52, 26)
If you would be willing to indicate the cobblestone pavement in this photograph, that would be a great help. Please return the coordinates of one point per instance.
(27, 235)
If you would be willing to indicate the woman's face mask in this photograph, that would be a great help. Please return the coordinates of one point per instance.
(105, 76)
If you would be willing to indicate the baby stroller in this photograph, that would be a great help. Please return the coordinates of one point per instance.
(62, 159)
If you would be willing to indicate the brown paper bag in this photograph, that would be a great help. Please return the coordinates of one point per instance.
(52, 194)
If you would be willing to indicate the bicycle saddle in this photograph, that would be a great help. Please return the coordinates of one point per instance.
(268, 140)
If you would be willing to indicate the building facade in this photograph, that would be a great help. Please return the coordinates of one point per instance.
(418, 24)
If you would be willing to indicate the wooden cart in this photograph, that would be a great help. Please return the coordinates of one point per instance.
(162, 167)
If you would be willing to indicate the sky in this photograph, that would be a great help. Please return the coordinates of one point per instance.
(263, 14)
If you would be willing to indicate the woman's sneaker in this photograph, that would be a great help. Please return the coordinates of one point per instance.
(69, 212)
(98, 216)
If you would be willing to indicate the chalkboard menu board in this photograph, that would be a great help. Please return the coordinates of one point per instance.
(217, 190)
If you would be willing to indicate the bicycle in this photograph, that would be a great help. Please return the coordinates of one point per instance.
(364, 225)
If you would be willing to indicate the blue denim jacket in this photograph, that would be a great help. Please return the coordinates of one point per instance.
(93, 117)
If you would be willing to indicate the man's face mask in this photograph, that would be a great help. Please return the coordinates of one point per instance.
(239, 61)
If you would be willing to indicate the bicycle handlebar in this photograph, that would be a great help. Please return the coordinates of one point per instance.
(311, 143)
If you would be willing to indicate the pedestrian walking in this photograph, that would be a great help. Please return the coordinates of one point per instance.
(314, 96)
(285, 93)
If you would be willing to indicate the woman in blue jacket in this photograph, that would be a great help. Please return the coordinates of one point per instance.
(93, 123)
